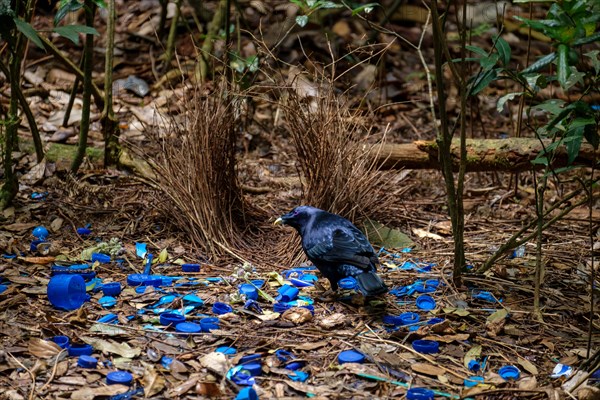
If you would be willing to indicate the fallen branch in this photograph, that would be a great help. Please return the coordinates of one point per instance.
(514, 155)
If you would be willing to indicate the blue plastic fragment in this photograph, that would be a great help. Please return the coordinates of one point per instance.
(347, 283)
(148, 267)
(416, 393)
(435, 320)
(300, 282)
(428, 286)
(101, 258)
(3, 288)
(210, 323)
(408, 318)
(221, 308)
(247, 393)
(484, 296)
(140, 250)
(473, 381)
(80, 349)
(190, 267)
(84, 231)
(108, 318)
(39, 196)
(193, 300)
(474, 366)
(259, 283)
(111, 288)
(107, 301)
(240, 377)
(188, 327)
(298, 376)
(287, 293)
(61, 340)
(252, 305)
(284, 355)
(166, 362)
(229, 351)
(250, 357)
(248, 290)
(85, 361)
(170, 318)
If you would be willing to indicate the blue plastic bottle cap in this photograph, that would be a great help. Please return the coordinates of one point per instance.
(221, 308)
(419, 394)
(347, 283)
(287, 293)
(140, 289)
(428, 286)
(254, 368)
(473, 381)
(210, 323)
(474, 365)
(188, 327)
(107, 301)
(190, 267)
(259, 283)
(101, 258)
(509, 372)
(249, 291)
(40, 232)
(281, 307)
(67, 292)
(247, 393)
(435, 320)
(119, 378)
(87, 362)
(351, 356)
(61, 341)
(408, 318)
(111, 288)
(144, 280)
(80, 349)
(169, 318)
(229, 351)
(294, 365)
(426, 346)
(425, 302)
(83, 231)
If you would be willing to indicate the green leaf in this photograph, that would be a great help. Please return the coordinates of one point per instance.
(588, 39)
(328, 5)
(541, 63)
(65, 7)
(477, 50)
(100, 3)
(381, 235)
(503, 50)
(591, 135)
(593, 56)
(29, 32)
(72, 32)
(540, 160)
(302, 20)
(574, 143)
(482, 81)
(553, 106)
(507, 97)
(489, 62)
(562, 66)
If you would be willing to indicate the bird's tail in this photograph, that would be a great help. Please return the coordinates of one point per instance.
(370, 284)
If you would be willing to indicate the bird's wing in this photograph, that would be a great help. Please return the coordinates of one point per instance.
(342, 246)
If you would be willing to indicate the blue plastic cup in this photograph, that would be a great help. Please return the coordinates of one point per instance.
(67, 292)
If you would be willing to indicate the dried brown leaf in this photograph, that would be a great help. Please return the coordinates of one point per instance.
(153, 382)
(528, 366)
(427, 369)
(297, 315)
(41, 348)
(89, 393)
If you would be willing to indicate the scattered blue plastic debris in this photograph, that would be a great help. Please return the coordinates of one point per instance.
(509, 372)
(140, 250)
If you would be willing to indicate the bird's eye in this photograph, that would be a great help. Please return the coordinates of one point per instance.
(295, 212)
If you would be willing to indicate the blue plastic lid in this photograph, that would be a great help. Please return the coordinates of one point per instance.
(67, 292)
(188, 327)
(428, 286)
(247, 393)
(169, 318)
(281, 307)
(107, 301)
(419, 394)
(190, 267)
(61, 341)
(347, 283)
(119, 378)
(254, 368)
(474, 365)
(229, 351)
(294, 365)
(509, 372)
(40, 232)
(426, 346)
(249, 291)
(391, 320)
(87, 361)
(101, 258)
(210, 323)
(259, 283)
(111, 288)
(140, 289)
(408, 318)
(221, 308)
(80, 349)
(473, 381)
(426, 302)
(351, 356)
(144, 280)
(83, 270)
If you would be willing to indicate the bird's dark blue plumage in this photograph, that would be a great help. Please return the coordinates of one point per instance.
(336, 247)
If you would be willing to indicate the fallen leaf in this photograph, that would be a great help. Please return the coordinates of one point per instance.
(297, 315)
(41, 348)
(311, 345)
(89, 393)
(474, 353)
(111, 346)
(332, 320)
(528, 366)
(427, 369)
(381, 235)
(216, 362)
(153, 382)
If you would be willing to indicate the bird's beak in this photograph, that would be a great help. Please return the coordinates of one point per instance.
(278, 221)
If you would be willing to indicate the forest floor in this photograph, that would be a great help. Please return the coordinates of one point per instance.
(485, 324)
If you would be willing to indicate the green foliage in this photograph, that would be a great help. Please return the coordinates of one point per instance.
(308, 7)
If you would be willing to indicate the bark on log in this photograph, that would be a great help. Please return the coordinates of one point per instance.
(513, 154)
